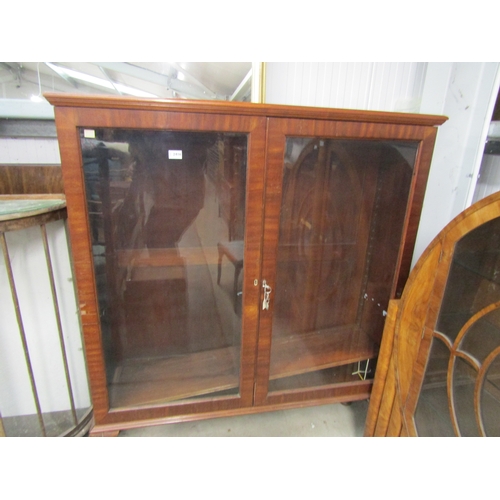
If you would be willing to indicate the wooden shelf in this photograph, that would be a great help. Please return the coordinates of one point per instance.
(317, 350)
(167, 257)
(337, 375)
(152, 381)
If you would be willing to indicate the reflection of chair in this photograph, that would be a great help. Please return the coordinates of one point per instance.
(233, 250)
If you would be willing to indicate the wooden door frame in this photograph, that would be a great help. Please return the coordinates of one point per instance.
(69, 120)
(278, 130)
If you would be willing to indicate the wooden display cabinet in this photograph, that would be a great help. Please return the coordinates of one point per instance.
(439, 364)
(232, 257)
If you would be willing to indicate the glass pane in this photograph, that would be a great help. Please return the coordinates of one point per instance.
(483, 336)
(490, 399)
(167, 214)
(474, 278)
(336, 375)
(473, 284)
(432, 416)
(464, 379)
(342, 214)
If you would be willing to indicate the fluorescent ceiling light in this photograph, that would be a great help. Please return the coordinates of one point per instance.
(77, 75)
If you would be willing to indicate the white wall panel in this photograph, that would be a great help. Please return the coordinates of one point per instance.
(27, 151)
(29, 268)
(489, 181)
(463, 92)
(355, 85)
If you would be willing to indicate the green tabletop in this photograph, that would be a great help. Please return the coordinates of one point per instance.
(16, 208)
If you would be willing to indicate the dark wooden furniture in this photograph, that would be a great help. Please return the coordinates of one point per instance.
(327, 204)
(438, 371)
(31, 179)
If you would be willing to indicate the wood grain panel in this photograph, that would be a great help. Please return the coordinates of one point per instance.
(389, 399)
(413, 309)
(223, 107)
(279, 129)
(416, 200)
(335, 393)
(383, 366)
(395, 422)
(266, 127)
(31, 179)
(68, 120)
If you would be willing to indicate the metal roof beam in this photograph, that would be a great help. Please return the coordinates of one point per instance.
(198, 91)
(61, 74)
(105, 72)
(244, 88)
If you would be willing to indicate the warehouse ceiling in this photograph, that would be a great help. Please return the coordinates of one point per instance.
(184, 80)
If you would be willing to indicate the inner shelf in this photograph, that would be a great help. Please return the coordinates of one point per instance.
(150, 381)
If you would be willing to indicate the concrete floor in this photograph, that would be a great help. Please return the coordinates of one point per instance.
(334, 420)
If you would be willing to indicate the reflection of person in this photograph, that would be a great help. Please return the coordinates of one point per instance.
(165, 195)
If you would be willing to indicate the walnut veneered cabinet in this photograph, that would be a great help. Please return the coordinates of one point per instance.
(233, 257)
(439, 362)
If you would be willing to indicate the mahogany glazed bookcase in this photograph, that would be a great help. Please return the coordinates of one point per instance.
(234, 257)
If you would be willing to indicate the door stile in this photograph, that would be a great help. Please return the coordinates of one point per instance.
(272, 203)
(256, 172)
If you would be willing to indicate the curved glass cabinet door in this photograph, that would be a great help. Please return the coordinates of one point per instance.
(167, 218)
(461, 389)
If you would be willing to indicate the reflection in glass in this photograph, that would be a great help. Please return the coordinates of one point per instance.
(474, 278)
(483, 336)
(490, 399)
(432, 416)
(342, 214)
(167, 219)
(464, 378)
(472, 290)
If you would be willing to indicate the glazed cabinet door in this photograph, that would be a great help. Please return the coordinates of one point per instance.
(440, 361)
(459, 393)
(339, 203)
(166, 214)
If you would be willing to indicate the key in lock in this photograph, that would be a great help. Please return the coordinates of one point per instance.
(267, 293)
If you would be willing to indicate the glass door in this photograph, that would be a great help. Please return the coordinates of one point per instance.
(460, 393)
(341, 205)
(167, 216)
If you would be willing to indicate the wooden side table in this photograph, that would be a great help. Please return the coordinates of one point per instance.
(52, 375)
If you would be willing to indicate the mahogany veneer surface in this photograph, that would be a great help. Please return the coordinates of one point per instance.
(235, 377)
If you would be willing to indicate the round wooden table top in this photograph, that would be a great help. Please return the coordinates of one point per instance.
(18, 211)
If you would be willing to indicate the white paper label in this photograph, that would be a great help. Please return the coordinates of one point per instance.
(89, 134)
(175, 154)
